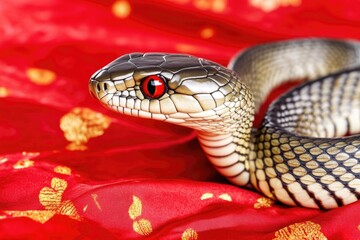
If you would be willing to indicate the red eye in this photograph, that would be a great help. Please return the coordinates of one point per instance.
(153, 86)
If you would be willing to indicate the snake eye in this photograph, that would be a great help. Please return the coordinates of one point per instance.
(153, 86)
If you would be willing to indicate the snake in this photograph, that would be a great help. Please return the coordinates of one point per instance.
(306, 151)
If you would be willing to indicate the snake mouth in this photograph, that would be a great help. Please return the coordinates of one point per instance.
(106, 92)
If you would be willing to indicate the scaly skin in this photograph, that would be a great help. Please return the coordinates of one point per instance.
(297, 156)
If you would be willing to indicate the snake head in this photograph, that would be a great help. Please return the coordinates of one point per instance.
(176, 88)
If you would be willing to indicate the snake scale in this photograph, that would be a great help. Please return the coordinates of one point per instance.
(305, 153)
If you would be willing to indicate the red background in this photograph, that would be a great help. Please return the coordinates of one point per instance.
(159, 165)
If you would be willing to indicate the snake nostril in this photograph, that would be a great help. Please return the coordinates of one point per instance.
(98, 87)
(106, 86)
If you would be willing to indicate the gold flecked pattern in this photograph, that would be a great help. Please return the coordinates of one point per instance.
(189, 234)
(25, 163)
(306, 230)
(51, 199)
(263, 202)
(41, 76)
(62, 170)
(141, 226)
(82, 124)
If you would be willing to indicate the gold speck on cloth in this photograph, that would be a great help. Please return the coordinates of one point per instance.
(95, 196)
(4, 92)
(189, 234)
(186, 48)
(219, 5)
(207, 33)
(51, 199)
(142, 227)
(135, 208)
(225, 197)
(30, 154)
(3, 160)
(41, 76)
(203, 4)
(212, 5)
(76, 147)
(121, 8)
(67, 208)
(181, 1)
(40, 216)
(271, 5)
(263, 202)
(59, 184)
(81, 124)
(25, 163)
(306, 230)
(85, 208)
(62, 170)
(207, 196)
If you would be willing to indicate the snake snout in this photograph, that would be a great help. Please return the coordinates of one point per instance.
(100, 89)
(93, 85)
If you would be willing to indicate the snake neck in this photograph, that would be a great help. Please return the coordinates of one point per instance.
(229, 145)
(230, 152)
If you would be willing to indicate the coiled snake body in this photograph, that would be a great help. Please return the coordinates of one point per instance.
(305, 153)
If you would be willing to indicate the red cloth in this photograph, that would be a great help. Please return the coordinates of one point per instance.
(71, 169)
